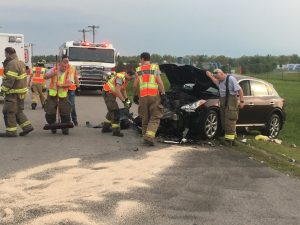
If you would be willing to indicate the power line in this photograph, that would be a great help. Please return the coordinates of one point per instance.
(83, 31)
(94, 28)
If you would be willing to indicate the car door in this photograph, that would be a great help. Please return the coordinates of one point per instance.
(248, 114)
(262, 101)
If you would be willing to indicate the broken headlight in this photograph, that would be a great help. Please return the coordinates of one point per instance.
(193, 106)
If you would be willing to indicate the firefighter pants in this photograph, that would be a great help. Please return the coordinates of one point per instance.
(151, 111)
(38, 92)
(13, 113)
(64, 109)
(229, 116)
(113, 114)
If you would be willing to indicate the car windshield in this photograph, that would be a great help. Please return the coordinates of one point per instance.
(91, 55)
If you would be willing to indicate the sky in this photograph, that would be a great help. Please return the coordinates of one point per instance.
(179, 27)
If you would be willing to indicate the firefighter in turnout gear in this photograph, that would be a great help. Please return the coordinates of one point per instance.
(229, 104)
(150, 109)
(116, 87)
(14, 89)
(37, 84)
(58, 95)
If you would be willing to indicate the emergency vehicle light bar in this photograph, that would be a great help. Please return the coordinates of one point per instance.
(85, 43)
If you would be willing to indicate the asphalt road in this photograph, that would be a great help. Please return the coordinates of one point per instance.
(94, 178)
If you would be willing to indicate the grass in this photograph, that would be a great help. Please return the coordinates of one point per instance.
(279, 157)
(279, 75)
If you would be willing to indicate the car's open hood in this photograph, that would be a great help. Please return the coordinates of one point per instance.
(178, 75)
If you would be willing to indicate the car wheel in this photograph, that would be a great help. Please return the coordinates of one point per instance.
(273, 126)
(209, 125)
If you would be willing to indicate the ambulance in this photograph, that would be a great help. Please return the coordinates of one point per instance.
(94, 62)
(17, 42)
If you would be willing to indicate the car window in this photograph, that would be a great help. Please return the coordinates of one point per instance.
(259, 88)
(213, 90)
(245, 85)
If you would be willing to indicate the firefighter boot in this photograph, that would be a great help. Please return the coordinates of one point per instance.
(116, 132)
(8, 134)
(148, 141)
(106, 128)
(65, 131)
(26, 130)
(33, 105)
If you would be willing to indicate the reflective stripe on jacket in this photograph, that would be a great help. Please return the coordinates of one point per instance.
(147, 80)
(110, 86)
(63, 80)
(38, 75)
(15, 77)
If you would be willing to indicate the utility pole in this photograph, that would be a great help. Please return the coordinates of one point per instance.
(83, 31)
(93, 27)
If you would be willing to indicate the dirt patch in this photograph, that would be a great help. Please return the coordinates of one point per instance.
(72, 184)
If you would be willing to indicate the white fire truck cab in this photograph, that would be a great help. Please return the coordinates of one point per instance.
(94, 62)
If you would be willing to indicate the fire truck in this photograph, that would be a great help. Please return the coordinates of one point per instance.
(17, 42)
(94, 62)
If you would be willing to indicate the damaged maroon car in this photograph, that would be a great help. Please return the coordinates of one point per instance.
(194, 110)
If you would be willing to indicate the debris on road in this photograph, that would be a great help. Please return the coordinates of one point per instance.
(262, 138)
(277, 141)
(266, 138)
(244, 140)
(89, 125)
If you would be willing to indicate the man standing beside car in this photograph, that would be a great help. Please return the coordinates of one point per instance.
(149, 83)
(229, 105)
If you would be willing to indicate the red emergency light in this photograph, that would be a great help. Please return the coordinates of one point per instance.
(105, 45)
(85, 43)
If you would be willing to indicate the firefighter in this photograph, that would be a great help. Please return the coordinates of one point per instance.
(37, 84)
(58, 95)
(14, 89)
(114, 88)
(229, 104)
(150, 108)
(72, 89)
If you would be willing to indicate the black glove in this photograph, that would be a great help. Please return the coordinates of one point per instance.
(164, 100)
(31, 89)
(127, 103)
(136, 99)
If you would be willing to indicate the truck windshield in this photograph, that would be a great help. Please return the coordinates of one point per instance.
(91, 55)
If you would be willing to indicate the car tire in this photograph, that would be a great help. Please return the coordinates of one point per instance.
(273, 126)
(210, 125)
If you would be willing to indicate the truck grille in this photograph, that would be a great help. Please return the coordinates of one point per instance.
(92, 76)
